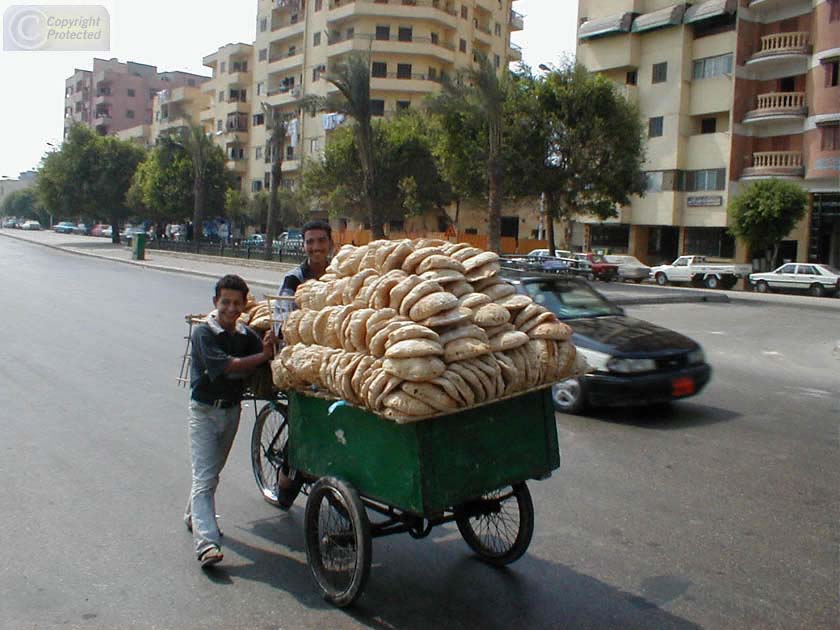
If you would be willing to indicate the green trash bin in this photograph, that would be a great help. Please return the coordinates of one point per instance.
(138, 247)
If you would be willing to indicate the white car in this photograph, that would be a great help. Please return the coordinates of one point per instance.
(543, 253)
(816, 279)
(30, 225)
(629, 267)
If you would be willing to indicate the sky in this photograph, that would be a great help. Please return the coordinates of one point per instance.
(175, 35)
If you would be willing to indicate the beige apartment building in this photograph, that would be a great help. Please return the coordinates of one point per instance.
(730, 91)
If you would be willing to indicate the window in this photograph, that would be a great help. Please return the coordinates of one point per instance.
(292, 51)
(383, 33)
(708, 179)
(256, 185)
(435, 38)
(655, 127)
(497, 61)
(497, 29)
(401, 105)
(830, 137)
(259, 119)
(834, 10)
(350, 33)
(632, 77)
(708, 125)
(377, 107)
(464, 12)
(405, 34)
(403, 70)
(129, 113)
(806, 270)
(462, 45)
(263, 54)
(319, 4)
(316, 73)
(223, 67)
(713, 241)
(263, 25)
(219, 124)
(130, 92)
(433, 74)
(290, 152)
(787, 84)
(379, 69)
(660, 72)
(653, 181)
(260, 88)
(316, 39)
(709, 67)
(832, 73)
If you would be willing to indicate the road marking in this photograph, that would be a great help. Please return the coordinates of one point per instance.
(716, 332)
(810, 391)
(772, 353)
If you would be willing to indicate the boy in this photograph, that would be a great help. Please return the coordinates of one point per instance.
(224, 352)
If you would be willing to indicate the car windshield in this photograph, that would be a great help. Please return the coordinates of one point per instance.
(830, 269)
(568, 301)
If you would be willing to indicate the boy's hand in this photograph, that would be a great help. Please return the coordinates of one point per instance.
(269, 343)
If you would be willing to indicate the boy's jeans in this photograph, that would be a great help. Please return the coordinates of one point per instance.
(211, 433)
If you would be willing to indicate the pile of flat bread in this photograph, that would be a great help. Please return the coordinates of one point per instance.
(257, 315)
(412, 329)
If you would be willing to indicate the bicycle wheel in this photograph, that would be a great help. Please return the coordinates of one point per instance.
(269, 459)
(338, 540)
(499, 525)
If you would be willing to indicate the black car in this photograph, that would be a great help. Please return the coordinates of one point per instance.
(633, 361)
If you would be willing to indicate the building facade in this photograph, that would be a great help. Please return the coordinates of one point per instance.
(729, 91)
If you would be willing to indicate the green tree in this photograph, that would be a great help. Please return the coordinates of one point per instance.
(24, 204)
(764, 212)
(277, 125)
(478, 94)
(577, 140)
(89, 176)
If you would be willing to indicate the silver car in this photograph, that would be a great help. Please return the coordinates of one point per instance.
(629, 267)
(816, 279)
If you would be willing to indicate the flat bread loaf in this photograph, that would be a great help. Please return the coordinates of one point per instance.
(417, 369)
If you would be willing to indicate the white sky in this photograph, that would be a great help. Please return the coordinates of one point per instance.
(175, 35)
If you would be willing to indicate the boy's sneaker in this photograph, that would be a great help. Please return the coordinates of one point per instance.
(210, 556)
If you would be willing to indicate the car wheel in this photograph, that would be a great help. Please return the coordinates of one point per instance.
(569, 396)
(817, 290)
(661, 279)
(712, 282)
(762, 287)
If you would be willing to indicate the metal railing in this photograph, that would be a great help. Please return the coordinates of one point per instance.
(236, 248)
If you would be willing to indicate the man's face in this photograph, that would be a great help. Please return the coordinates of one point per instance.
(229, 304)
(317, 246)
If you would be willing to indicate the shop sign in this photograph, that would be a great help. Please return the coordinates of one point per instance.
(705, 201)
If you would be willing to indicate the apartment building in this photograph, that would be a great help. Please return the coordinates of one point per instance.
(729, 91)
(115, 96)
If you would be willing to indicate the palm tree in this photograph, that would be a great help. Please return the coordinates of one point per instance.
(481, 93)
(277, 125)
(198, 145)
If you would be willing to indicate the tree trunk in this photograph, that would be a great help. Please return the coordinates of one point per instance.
(115, 230)
(273, 210)
(495, 192)
(198, 212)
(548, 217)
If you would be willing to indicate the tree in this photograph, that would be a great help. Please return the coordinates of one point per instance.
(24, 204)
(578, 141)
(765, 212)
(277, 125)
(90, 175)
(479, 94)
(407, 183)
(200, 149)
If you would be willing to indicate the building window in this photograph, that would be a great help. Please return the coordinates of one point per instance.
(316, 39)
(405, 34)
(316, 73)
(660, 72)
(130, 92)
(830, 137)
(379, 69)
(263, 54)
(401, 105)
(709, 67)
(464, 12)
(220, 124)
(129, 113)
(834, 10)
(433, 74)
(223, 67)
(653, 181)
(383, 33)
(260, 88)
(256, 185)
(832, 73)
(319, 4)
(708, 125)
(713, 241)
(632, 77)
(403, 70)
(708, 179)
(655, 127)
(377, 107)
(462, 45)
(497, 29)
(497, 61)
(263, 25)
(259, 119)
(290, 152)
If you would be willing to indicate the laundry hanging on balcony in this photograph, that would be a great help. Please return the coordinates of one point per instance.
(331, 121)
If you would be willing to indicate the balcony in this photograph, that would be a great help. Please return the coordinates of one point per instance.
(286, 29)
(778, 106)
(483, 34)
(427, 46)
(285, 62)
(514, 52)
(207, 114)
(783, 49)
(402, 82)
(768, 164)
(517, 21)
(438, 11)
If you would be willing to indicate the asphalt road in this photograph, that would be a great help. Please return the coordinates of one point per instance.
(719, 512)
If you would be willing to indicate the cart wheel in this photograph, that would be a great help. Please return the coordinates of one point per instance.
(338, 540)
(499, 525)
(269, 452)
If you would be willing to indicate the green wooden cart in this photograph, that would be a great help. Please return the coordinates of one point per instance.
(469, 467)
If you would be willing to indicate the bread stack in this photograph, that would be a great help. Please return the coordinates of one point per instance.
(257, 315)
(411, 329)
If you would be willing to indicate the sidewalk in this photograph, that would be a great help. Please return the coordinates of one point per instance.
(260, 273)
(267, 275)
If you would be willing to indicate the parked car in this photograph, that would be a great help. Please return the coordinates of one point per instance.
(64, 227)
(107, 231)
(131, 231)
(97, 228)
(816, 279)
(31, 225)
(601, 268)
(634, 361)
(697, 271)
(543, 253)
(81, 228)
(629, 267)
(11, 222)
(255, 241)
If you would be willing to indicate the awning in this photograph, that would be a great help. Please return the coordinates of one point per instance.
(664, 17)
(709, 9)
(619, 23)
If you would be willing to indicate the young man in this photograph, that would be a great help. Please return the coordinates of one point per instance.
(224, 352)
(317, 245)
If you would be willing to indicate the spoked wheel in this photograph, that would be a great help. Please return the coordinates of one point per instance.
(499, 525)
(278, 484)
(338, 540)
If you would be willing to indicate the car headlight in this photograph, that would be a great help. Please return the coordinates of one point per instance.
(631, 366)
(695, 357)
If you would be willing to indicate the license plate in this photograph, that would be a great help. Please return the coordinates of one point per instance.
(683, 386)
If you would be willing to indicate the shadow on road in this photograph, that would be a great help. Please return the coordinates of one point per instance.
(666, 416)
